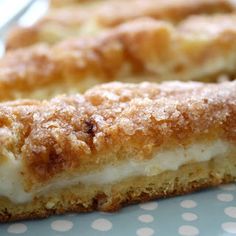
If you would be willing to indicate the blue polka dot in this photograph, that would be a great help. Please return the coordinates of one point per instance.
(209, 212)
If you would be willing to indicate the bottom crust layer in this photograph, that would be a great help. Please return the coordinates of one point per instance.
(111, 197)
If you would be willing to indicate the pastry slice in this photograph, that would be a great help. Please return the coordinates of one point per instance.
(200, 48)
(115, 145)
(94, 17)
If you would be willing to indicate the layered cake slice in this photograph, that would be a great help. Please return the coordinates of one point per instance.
(200, 48)
(115, 145)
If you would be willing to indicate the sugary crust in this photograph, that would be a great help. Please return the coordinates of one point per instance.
(112, 197)
(144, 49)
(63, 3)
(111, 122)
(94, 17)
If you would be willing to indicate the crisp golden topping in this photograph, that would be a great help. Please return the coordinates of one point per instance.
(63, 3)
(144, 49)
(113, 122)
(95, 16)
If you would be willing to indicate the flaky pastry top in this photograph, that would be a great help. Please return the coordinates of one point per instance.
(111, 123)
(63, 3)
(96, 16)
(140, 50)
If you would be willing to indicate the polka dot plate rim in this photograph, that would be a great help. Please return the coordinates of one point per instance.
(206, 213)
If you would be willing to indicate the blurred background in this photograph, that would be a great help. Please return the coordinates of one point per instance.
(20, 12)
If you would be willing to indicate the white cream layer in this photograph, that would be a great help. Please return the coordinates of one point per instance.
(11, 181)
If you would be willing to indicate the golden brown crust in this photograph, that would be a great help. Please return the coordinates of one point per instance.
(112, 197)
(63, 3)
(145, 49)
(100, 15)
(111, 122)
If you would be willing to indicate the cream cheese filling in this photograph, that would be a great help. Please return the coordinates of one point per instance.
(11, 181)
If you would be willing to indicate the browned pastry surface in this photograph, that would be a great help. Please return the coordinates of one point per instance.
(200, 48)
(109, 124)
(95, 16)
(63, 3)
